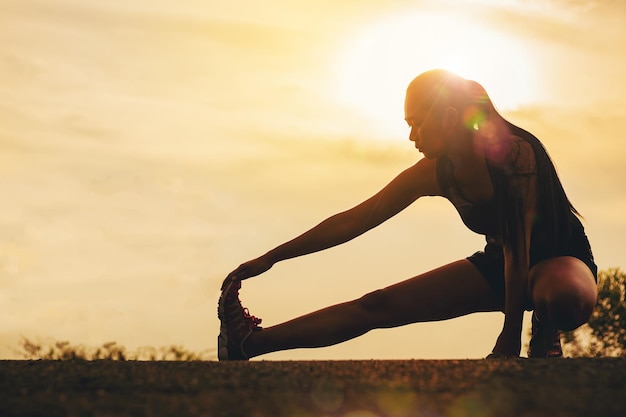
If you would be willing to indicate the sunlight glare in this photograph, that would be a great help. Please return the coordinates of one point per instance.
(377, 64)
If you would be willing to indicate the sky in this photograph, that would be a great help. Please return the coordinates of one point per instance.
(147, 148)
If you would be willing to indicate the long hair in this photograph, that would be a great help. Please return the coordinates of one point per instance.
(555, 215)
(510, 166)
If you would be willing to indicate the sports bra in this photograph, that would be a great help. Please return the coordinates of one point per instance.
(481, 217)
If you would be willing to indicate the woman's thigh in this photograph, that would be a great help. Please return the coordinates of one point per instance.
(450, 291)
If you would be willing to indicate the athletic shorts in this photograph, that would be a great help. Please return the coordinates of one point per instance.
(490, 263)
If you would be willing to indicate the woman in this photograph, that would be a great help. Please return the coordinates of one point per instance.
(504, 186)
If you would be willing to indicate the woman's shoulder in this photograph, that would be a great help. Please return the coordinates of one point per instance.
(425, 165)
(424, 175)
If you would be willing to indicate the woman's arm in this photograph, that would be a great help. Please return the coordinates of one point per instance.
(408, 186)
(516, 267)
(414, 182)
(523, 185)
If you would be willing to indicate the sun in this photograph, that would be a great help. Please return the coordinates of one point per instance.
(377, 64)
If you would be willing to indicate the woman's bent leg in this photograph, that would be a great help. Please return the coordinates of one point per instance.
(450, 291)
(563, 291)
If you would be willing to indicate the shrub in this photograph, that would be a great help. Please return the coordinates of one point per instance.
(63, 350)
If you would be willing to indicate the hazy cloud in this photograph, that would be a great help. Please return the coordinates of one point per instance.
(147, 148)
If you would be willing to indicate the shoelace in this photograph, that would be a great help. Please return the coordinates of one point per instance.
(253, 322)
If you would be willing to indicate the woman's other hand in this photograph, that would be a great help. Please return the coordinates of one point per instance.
(249, 269)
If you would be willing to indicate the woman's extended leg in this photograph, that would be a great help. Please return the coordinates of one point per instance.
(450, 291)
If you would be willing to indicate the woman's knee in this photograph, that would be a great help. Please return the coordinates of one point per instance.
(565, 310)
(383, 309)
(375, 301)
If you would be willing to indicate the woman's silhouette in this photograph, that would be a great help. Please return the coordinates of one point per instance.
(504, 186)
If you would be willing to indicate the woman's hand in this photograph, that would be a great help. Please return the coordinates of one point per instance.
(249, 269)
(508, 345)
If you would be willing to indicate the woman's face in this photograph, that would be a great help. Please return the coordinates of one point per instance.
(426, 129)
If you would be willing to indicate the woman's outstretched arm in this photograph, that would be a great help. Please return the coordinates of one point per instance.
(414, 182)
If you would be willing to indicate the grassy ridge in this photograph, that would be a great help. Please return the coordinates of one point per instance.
(457, 388)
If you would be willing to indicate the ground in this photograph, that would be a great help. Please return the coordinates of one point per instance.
(429, 388)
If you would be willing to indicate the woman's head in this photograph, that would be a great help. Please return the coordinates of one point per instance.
(442, 107)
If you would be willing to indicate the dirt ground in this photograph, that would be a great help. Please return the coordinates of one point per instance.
(429, 388)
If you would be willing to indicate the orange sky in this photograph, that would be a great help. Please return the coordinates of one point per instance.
(148, 148)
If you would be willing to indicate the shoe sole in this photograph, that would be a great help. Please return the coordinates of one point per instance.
(222, 338)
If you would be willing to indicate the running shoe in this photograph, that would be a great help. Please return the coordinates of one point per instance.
(236, 324)
(544, 345)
